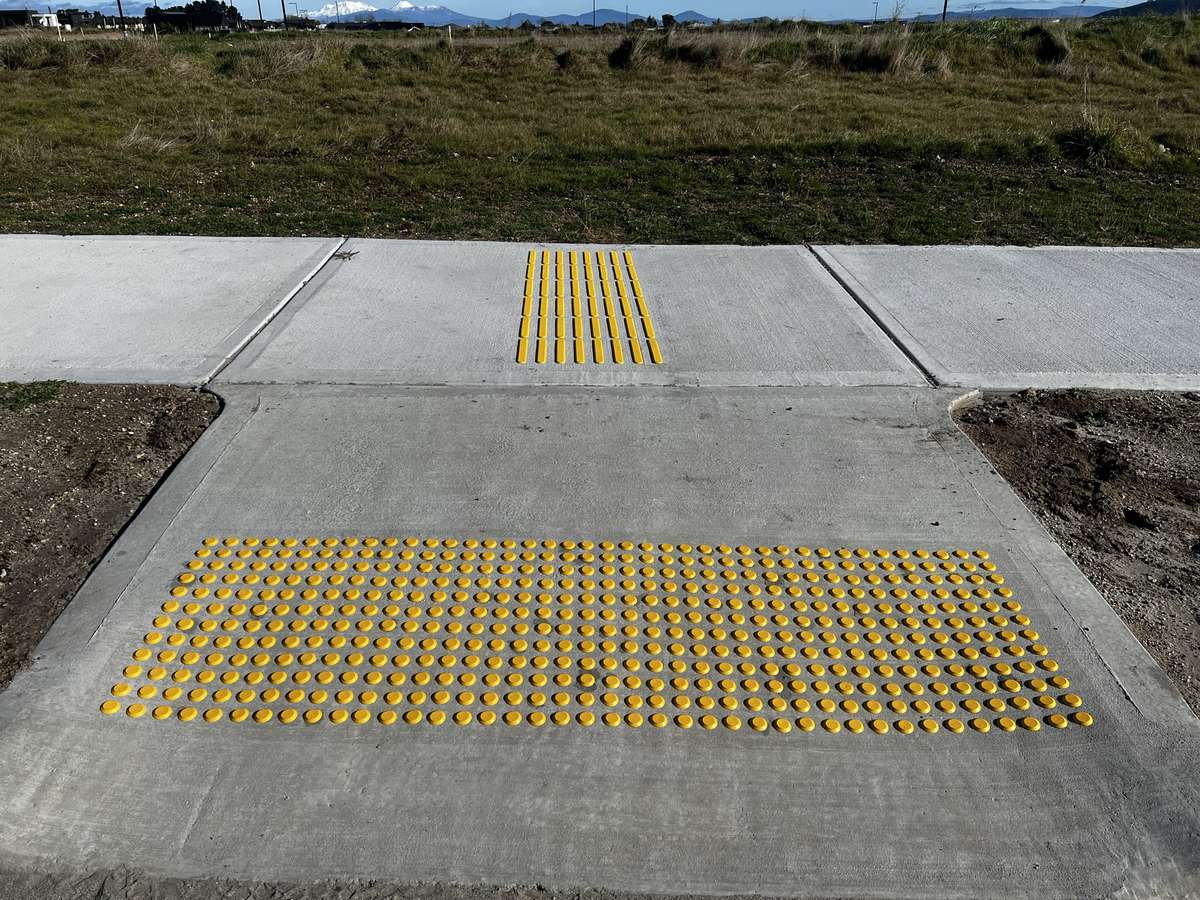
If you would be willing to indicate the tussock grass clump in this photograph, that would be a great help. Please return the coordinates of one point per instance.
(1153, 53)
(28, 51)
(1050, 46)
(627, 53)
(272, 59)
(139, 138)
(377, 56)
(1094, 141)
(711, 50)
(890, 51)
(1167, 55)
(32, 51)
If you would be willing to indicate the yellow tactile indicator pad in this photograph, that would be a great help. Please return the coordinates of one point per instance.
(427, 631)
(580, 307)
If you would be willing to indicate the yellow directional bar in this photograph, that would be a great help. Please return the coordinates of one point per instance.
(543, 309)
(643, 310)
(576, 311)
(564, 327)
(635, 346)
(614, 330)
(560, 316)
(590, 279)
(526, 310)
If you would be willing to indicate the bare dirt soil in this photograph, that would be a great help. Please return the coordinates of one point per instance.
(76, 462)
(1115, 478)
(128, 884)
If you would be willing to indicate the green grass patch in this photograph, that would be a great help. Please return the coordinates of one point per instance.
(15, 397)
(970, 132)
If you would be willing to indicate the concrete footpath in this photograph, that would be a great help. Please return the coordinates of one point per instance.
(1047, 317)
(142, 309)
(749, 617)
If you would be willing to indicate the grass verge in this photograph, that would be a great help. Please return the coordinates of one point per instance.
(992, 132)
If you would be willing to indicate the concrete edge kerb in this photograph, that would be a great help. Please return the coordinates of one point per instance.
(1117, 648)
(1008, 383)
(105, 585)
(971, 398)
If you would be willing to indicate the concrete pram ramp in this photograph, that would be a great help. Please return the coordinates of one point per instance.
(711, 625)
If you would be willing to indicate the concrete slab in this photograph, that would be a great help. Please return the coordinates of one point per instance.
(1046, 317)
(140, 309)
(1082, 811)
(450, 313)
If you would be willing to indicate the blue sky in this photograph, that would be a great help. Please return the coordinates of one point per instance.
(737, 9)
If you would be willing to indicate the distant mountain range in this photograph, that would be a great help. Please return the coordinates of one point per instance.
(1076, 11)
(1159, 7)
(436, 15)
(404, 11)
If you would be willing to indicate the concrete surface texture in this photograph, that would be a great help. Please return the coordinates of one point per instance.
(140, 309)
(401, 312)
(1081, 811)
(1052, 317)
(385, 399)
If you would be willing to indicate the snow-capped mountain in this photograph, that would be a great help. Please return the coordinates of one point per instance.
(346, 8)
(400, 11)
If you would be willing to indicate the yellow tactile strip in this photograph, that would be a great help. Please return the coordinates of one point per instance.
(487, 632)
(578, 303)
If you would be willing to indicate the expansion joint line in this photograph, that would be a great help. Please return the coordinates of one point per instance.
(270, 317)
(879, 323)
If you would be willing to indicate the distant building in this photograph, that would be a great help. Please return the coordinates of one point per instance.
(72, 19)
(45, 20)
(16, 18)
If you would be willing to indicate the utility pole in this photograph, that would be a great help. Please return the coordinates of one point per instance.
(337, 8)
(876, 19)
(121, 14)
(945, 9)
(260, 18)
(283, 6)
(593, 14)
